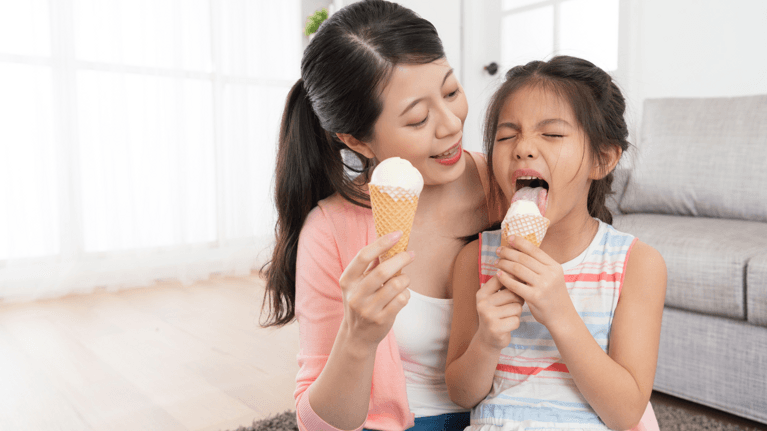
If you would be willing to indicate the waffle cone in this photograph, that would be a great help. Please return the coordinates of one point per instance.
(530, 227)
(391, 215)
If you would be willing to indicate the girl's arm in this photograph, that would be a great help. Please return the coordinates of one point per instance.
(342, 317)
(617, 385)
(482, 323)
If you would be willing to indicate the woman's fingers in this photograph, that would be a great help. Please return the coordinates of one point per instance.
(366, 257)
(390, 290)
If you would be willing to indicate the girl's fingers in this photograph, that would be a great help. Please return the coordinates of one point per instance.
(522, 257)
(490, 287)
(515, 286)
(517, 269)
(504, 297)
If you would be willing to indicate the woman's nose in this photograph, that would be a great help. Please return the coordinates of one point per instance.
(450, 123)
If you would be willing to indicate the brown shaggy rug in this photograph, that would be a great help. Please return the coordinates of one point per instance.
(670, 418)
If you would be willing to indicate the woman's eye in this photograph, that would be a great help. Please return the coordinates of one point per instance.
(506, 138)
(420, 123)
(453, 94)
(553, 135)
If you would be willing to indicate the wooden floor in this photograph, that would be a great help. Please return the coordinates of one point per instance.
(169, 357)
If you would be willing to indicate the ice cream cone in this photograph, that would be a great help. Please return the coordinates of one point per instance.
(529, 226)
(393, 209)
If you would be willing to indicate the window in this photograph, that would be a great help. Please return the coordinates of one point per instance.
(139, 132)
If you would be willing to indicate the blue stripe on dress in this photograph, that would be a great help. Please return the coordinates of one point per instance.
(538, 414)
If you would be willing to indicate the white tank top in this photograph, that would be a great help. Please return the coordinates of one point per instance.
(422, 330)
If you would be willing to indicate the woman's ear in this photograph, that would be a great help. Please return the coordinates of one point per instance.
(610, 158)
(356, 145)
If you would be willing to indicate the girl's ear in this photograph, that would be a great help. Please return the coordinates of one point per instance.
(356, 145)
(610, 158)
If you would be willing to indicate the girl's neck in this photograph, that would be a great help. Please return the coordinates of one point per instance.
(570, 236)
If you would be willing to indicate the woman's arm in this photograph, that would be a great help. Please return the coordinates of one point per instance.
(618, 385)
(483, 319)
(342, 317)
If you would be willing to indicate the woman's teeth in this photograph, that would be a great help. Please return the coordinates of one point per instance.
(447, 154)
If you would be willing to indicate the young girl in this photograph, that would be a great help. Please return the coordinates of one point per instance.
(374, 84)
(564, 336)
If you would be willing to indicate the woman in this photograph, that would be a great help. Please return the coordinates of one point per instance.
(374, 84)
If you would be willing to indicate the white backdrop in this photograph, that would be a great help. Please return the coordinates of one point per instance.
(137, 139)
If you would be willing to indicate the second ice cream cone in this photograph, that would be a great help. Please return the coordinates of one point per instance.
(531, 227)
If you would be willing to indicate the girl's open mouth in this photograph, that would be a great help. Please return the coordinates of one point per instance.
(532, 188)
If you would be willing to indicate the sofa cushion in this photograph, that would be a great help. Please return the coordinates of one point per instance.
(706, 258)
(701, 157)
(756, 289)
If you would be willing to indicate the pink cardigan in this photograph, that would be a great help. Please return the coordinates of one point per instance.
(334, 231)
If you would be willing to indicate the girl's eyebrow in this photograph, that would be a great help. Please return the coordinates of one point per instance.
(510, 126)
(538, 126)
(553, 121)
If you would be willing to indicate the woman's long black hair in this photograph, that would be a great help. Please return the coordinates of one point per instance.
(343, 71)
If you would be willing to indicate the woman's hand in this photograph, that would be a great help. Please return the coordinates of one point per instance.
(373, 294)
(532, 274)
(498, 310)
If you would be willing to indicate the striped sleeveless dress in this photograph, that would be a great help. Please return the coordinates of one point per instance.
(532, 388)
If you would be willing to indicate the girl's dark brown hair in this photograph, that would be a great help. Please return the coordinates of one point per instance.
(596, 101)
(343, 71)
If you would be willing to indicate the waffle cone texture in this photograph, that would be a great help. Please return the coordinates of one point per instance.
(530, 227)
(392, 214)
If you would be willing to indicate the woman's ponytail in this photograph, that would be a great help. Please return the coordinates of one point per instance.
(300, 182)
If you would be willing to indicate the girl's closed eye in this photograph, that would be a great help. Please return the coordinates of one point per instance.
(452, 94)
(506, 138)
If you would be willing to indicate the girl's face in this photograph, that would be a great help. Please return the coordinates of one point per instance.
(538, 136)
(424, 108)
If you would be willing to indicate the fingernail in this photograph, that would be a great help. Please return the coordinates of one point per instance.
(498, 251)
(395, 236)
(411, 253)
(498, 274)
(511, 238)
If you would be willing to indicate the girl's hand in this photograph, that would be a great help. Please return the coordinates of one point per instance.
(498, 310)
(372, 294)
(532, 274)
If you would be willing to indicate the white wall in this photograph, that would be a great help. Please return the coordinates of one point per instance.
(693, 48)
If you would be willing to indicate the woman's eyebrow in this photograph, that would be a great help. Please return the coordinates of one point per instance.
(415, 102)
(447, 75)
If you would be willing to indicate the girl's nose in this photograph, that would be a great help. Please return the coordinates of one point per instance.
(450, 123)
(525, 149)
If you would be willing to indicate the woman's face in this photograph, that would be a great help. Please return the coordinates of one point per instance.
(424, 108)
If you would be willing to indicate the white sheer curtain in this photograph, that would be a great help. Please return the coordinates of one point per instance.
(137, 139)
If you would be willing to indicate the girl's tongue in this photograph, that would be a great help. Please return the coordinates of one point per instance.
(539, 195)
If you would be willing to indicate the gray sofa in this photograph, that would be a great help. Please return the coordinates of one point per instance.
(697, 192)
